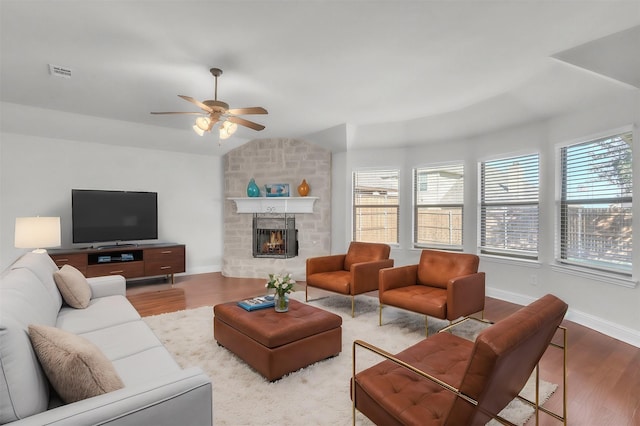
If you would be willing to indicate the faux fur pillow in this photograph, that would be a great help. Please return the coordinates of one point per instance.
(75, 367)
(73, 286)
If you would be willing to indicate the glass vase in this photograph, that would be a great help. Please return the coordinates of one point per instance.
(281, 302)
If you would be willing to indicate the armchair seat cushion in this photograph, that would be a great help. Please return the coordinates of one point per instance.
(336, 281)
(430, 301)
(404, 395)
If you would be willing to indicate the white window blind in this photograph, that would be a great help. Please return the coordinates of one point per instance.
(509, 206)
(438, 206)
(375, 206)
(596, 204)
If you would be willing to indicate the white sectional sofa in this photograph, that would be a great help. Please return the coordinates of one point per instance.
(157, 391)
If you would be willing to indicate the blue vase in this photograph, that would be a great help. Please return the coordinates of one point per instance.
(252, 189)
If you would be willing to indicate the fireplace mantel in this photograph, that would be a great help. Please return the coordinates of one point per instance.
(274, 204)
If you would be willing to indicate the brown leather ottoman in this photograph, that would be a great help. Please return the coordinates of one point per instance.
(277, 343)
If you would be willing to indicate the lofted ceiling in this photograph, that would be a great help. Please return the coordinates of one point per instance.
(454, 68)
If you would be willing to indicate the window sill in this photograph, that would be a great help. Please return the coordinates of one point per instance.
(529, 263)
(594, 275)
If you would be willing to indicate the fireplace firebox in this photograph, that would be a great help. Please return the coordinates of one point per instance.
(275, 236)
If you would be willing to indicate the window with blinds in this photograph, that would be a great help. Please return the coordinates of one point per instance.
(376, 206)
(596, 204)
(509, 206)
(438, 194)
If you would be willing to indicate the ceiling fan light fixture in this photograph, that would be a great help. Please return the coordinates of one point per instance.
(227, 129)
(203, 123)
(198, 130)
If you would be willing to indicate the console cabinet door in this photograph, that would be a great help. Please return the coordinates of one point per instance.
(78, 261)
(164, 260)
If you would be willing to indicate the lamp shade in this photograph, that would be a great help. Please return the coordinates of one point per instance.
(37, 232)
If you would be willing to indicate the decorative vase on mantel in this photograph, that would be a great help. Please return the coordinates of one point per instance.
(281, 302)
(252, 189)
(303, 188)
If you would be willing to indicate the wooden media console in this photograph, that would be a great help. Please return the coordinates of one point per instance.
(130, 261)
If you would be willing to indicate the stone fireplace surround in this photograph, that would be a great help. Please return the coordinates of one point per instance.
(276, 161)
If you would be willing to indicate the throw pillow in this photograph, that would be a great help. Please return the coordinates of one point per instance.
(75, 367)
(73, 286)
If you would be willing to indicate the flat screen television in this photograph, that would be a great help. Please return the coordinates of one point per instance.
(113, 216)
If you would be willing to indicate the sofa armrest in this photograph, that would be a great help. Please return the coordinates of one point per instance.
(181, 398)
(465, 295)
(364, 275)
(316, 265)
(108, 285)
(400, 276)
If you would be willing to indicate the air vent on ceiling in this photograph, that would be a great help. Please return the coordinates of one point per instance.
(58, 71)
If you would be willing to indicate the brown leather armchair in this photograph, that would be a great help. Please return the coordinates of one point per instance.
(448, 380)
(353, 273)
(443, 285)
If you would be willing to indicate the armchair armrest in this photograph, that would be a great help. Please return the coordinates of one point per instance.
(108, 285)
(184, 397)
(364, 275)
(465, 295)
(400, 276)
(316, 265)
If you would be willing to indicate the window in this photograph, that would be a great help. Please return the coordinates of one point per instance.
(438, 204)
(509, 207)
(596, 204)
(375, 206)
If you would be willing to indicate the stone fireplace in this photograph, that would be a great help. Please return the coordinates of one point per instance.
(307, 232)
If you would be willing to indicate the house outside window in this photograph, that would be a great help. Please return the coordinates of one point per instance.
(596, 204)
(438, 193)
(376, 206)
(509, 207)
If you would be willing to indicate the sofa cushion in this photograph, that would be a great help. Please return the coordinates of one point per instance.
(73, 286)
(101, 313)
(75, 367)
(43, 267)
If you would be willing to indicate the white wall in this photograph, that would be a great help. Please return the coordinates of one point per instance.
(37, 175)
(613, 308)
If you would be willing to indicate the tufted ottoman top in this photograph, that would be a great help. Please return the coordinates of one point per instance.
(273, 329)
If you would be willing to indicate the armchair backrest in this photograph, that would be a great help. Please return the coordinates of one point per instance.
(436, 268)
(365, 252)
(503, 358)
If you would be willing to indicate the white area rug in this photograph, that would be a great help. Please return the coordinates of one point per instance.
(316, 395)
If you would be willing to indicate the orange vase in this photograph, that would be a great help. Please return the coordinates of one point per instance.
(303, 188)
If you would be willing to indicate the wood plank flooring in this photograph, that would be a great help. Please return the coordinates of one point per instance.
(603, 373)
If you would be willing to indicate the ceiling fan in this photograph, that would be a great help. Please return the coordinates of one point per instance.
(215, 111)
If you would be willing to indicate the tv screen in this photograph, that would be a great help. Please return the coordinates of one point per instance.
(100, 216)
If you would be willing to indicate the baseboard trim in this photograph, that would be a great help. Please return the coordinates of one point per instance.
(601, 325)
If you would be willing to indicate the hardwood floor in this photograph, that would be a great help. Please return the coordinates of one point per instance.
(603, 373)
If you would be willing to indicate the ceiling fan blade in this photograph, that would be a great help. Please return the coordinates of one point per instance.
(246, 123)
(181, 112)
(250, 110)
(196, 102)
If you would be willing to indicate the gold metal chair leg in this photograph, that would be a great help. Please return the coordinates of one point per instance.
(426, 325)
(306, 293)
(353, 306)
(380, 315)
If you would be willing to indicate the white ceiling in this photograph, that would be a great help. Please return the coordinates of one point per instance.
(454, 68)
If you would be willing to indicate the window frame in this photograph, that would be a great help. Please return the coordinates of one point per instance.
(355, 233)
(505, 252)
(585, 265)
(457, 167)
